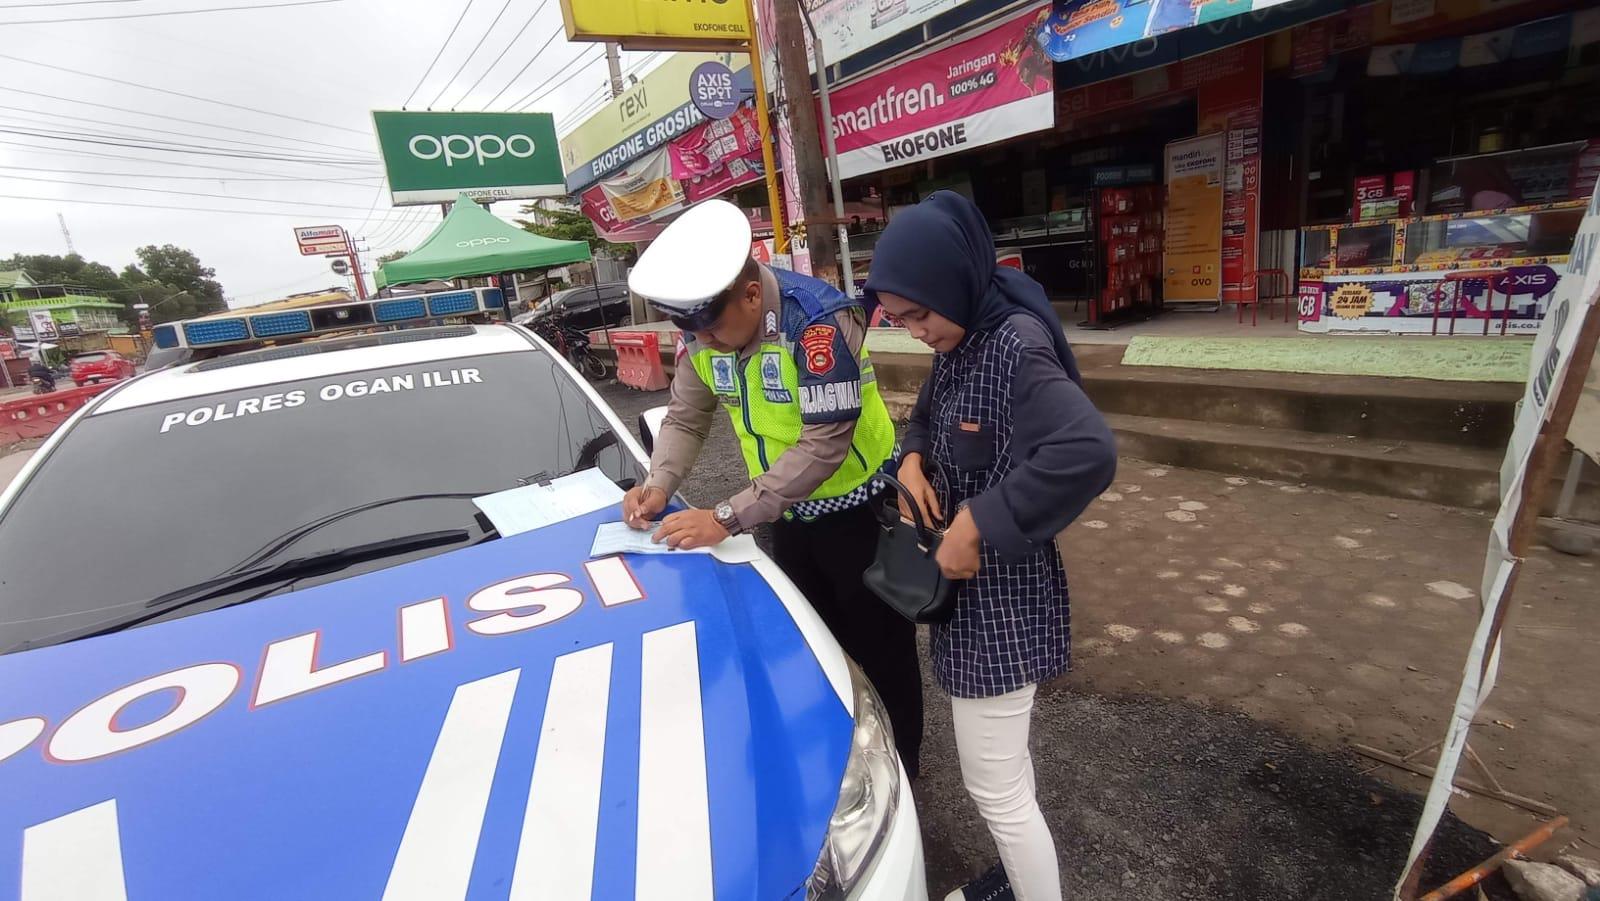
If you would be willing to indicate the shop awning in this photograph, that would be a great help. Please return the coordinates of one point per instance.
(472, 241)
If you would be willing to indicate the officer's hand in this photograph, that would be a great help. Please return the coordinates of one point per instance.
(641, 505)
(959, 553)
(689, 529)
(912, 476)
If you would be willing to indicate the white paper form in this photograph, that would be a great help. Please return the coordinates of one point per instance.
(530, 507)
(621, 538)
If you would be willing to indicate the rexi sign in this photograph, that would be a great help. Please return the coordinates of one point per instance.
(433, 157)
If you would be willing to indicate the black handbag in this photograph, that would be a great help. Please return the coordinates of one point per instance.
(904, 573)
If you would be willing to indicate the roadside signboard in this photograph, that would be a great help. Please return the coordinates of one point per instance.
(319, 234)
(341, 266)
(712, 91)
(317, 250)
(435, 157)
(44, 325)
(657, 24)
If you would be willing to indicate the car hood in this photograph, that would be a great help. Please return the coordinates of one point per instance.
(510, 719)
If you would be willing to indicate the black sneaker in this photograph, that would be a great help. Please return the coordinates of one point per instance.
(991, 886)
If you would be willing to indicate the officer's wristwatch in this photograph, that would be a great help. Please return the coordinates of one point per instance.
(725, 517)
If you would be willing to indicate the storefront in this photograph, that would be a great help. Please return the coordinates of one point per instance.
(1450, 148)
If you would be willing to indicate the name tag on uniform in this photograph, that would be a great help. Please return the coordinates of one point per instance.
(772, 378)
(722, 377)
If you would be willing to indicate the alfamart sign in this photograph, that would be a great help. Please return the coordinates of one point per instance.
(433, 157)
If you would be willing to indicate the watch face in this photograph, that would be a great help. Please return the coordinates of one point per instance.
(724, 512)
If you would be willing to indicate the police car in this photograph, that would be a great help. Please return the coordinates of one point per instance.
(288, 657)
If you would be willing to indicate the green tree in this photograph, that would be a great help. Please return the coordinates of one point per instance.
(165, 302)
(181, 270)
(571, 225)
(391, 256)
(72, 269)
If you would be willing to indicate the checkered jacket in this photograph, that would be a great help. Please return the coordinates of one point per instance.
(1012, 623)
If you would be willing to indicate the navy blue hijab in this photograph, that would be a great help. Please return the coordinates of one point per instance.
(940, 254)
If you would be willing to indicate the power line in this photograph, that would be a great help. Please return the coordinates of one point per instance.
(524, 101)
(532, 58)
(155, 206)
(213, 151)
(160, 131)
(133, 84)
(356, 181)
(175, 12)
(429, 71)
(91, 184)
(247, 131)
(470, 54)
(503, 52)
(185, 164)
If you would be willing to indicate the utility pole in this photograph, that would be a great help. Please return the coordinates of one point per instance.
(614, 63)
(795, 76)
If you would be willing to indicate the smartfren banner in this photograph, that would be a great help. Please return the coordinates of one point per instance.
(434, 157)
(991, 87)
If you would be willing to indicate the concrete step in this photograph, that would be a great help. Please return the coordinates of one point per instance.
(1440, 473)
(1380, 409)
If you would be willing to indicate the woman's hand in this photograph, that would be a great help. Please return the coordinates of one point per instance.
(959, 554)
(916, 481)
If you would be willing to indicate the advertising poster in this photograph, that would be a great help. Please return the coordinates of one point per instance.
(991, 87)
(644, 189)
(1232, 106)
(1193, 252)
(713, 145)
(848, 27)
(1077, 28)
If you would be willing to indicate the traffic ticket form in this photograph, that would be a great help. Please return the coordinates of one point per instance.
(530, 507)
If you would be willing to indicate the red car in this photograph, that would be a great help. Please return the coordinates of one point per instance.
(100, 366)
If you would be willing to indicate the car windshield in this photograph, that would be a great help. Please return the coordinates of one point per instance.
(184, 490)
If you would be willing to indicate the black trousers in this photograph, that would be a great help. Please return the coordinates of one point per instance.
(825, 559)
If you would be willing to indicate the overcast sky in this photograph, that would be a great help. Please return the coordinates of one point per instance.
(330, 63)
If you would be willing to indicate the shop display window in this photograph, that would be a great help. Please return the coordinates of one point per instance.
(1365, 245)
(1492, 236)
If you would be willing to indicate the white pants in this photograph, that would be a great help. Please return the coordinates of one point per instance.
(992, 742)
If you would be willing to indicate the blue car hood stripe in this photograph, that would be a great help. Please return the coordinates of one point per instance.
(653, 729)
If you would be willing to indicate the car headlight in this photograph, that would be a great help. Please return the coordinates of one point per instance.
(869, 795)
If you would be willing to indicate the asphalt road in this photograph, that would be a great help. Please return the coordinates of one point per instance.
(1154, 797)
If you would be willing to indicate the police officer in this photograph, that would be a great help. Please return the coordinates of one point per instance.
(786, 356)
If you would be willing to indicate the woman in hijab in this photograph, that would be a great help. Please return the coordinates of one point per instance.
(1003, 440)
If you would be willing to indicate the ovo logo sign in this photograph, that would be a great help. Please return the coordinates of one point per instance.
(483, 242)
(467, 147)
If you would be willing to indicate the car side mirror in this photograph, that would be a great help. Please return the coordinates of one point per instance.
(650, 424)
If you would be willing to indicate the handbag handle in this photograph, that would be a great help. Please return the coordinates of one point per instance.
(924, 533)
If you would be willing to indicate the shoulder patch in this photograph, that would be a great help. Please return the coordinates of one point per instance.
(817, 342)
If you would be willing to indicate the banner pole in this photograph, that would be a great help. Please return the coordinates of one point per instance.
(780, 236)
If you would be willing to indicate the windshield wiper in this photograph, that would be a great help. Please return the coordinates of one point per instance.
(320, 563)
(279, 544)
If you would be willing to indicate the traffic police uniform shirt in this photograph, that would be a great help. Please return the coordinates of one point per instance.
(829, 426)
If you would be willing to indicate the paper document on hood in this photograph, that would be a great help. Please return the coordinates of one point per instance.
(621, 538)
(543, 503)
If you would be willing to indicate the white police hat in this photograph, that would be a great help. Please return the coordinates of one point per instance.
(694, 259)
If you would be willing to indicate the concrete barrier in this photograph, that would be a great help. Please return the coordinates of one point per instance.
(639, 362)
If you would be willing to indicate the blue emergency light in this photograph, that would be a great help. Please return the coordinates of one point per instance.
(306, 322)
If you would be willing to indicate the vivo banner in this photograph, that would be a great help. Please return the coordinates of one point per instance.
(434, 157)
(992, 87)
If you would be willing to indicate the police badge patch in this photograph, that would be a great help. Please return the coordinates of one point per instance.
(817, 342)
(772, 378)
(722, 380)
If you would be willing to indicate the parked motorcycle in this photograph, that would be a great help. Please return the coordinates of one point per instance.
(573, 344)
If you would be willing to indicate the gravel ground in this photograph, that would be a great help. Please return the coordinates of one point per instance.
(1151, 797)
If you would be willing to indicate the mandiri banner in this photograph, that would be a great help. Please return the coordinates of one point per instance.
(1192, 259)
(991, 87)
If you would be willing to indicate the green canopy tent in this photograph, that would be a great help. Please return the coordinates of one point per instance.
(471, 241)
